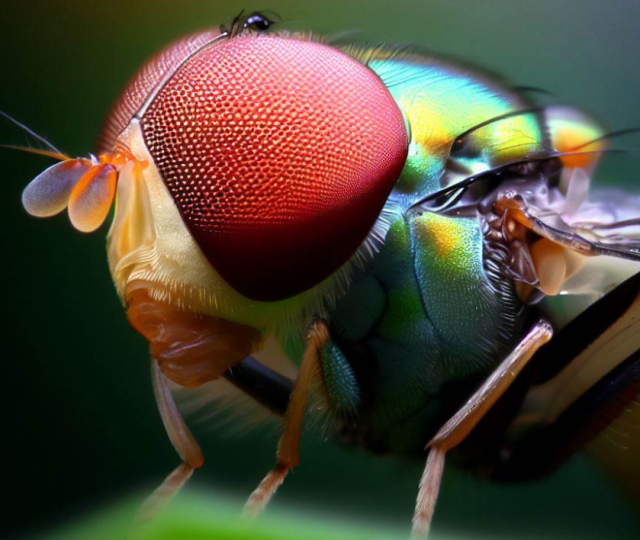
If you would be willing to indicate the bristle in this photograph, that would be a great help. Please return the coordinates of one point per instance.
(31, 133)
(36, 151)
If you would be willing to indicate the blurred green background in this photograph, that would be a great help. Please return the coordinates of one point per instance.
(81, 432)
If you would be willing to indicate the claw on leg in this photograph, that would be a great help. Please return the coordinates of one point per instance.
(261, 496)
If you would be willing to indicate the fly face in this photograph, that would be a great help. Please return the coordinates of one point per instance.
(251, 150)
(250, 169)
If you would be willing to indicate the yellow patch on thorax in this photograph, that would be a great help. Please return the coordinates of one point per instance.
(447, 235)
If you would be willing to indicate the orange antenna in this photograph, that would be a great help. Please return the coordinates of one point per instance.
(37, 151)
(52, 149)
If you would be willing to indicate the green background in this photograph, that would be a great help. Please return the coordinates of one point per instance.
(80, 431)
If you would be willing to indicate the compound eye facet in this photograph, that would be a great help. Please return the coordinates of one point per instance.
(279, 154)
(146, 80)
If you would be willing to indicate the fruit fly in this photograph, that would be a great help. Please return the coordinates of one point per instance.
(417, 238)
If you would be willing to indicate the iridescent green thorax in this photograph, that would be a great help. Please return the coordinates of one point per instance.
(449, 262)
(426, 321)
(420, 326)
(440, 103)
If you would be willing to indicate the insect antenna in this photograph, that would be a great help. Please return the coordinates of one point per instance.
(459, 186)
(36, 151)
(30, 132)
(50, 151)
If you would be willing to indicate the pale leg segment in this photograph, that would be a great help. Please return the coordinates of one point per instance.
(289, 446)
(462, 423)
(182, 440)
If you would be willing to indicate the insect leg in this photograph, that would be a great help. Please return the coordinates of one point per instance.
(289, 446)
(546, 447)
(462, 423)
(182, 440)
(190, 350)
(587, 380)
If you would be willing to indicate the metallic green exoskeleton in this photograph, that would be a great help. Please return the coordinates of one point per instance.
(430, 317)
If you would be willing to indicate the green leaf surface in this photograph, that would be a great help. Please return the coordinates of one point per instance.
(197, 516)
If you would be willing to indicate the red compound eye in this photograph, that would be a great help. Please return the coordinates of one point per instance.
(279, 155)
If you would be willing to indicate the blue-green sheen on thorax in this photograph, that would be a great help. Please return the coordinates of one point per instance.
(441, 101)
(433, 320)
(425, 322)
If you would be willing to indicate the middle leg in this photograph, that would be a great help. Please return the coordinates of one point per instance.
(288, 453)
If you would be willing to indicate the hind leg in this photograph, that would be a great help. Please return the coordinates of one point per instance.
(463, 422)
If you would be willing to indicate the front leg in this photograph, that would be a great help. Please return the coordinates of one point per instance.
(190, 350)
(462, 423)
(182, 440)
